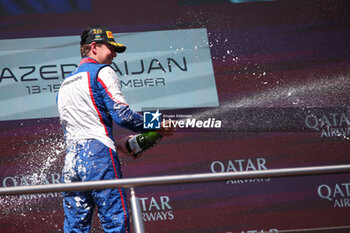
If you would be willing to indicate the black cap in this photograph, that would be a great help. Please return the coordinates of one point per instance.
(101, 34)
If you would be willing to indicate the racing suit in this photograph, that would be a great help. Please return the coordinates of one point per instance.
(89, 100)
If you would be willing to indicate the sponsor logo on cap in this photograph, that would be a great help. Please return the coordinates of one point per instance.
(97, 31)
(109, 34)
(115, 44)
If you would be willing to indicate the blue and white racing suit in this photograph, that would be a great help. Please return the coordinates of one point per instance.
(89, 100)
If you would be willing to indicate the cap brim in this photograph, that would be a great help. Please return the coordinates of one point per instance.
(119, 48)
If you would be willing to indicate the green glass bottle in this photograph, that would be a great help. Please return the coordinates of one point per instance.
(142, 142)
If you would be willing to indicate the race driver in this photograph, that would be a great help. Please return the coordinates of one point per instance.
(89, 101)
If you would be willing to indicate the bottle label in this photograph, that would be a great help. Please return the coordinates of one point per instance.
(134, 146)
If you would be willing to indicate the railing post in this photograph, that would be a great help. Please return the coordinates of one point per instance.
(136, 213)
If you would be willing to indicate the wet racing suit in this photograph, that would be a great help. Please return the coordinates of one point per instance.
(89, 100)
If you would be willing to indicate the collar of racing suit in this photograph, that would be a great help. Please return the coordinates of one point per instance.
(88, 60)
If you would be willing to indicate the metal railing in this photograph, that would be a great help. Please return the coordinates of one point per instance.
(132, 183)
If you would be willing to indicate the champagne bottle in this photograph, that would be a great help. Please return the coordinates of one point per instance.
(142, 142)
